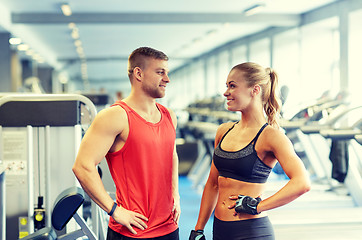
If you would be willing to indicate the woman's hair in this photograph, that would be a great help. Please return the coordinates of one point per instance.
(139, 57)
(267, 79)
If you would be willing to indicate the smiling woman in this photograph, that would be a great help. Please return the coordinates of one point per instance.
(245, 152)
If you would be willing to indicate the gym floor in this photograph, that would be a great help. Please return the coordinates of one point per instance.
(190, 205)
(320, 214)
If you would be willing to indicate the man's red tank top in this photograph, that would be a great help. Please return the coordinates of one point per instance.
(142, 172)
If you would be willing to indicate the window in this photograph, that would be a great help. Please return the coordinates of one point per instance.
(355, 52)
(260, 52)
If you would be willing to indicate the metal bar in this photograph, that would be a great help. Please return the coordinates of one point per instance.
(88, 232)
(1, 144)
(73, 235)
(2, 192)
(30, 179)
(47, 193)
(2, 204)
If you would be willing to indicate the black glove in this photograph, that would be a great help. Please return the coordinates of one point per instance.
(197, 235)
(246, 204)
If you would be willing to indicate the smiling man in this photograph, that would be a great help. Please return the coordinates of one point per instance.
(137, 137)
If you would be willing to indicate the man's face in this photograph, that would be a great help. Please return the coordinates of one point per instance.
(155, 78)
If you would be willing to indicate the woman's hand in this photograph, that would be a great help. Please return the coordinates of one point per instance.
(245, 204)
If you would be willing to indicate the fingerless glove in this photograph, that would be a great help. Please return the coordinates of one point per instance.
(197, 235)
(246, 204)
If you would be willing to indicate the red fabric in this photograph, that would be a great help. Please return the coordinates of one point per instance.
(142, 172)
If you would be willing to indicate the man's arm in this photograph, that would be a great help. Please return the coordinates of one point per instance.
(99, 138)
(175, 189)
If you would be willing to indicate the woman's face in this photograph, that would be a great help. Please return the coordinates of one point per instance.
(238, 94)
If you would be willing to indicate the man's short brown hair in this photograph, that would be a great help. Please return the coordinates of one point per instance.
(139, 56)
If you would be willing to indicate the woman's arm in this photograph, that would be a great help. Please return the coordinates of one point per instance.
(292, 165)
(211, 190)
(209, 198)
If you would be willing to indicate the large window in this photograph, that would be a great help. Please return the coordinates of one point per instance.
(355, 53)
(306, 58)
(211, 73)
(319, 59)
(238, 55)
(223, 71)
(260, 52)
(286, 62)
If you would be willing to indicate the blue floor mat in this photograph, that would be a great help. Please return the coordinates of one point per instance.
(190, 205)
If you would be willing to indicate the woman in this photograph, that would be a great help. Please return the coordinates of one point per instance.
(245, 153)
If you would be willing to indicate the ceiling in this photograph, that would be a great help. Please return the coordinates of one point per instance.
(109, 30)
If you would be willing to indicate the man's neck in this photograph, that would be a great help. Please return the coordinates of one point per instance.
(144, 106)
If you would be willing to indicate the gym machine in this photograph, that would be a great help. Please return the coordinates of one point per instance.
(314, 117)
(318, 148)
(347, 129)
(2, 204)
(39, 139)
(204, 132)
(65, 208)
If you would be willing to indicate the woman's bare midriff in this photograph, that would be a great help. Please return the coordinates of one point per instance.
(231, 187)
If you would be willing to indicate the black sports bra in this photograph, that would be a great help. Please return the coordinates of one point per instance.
(243, 165)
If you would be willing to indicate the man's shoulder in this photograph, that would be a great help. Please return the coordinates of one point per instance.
(111, 115)
(115, 109)
(162, 107)
(169, 112)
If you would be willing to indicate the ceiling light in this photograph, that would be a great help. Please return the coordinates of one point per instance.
(80, 50)
(23, 47)
(40, 60)
(30, 52)
(84, 68)
(254, 9)
(78, 43)
(75, 33)
(71, 25)
(14, 41)
(36, 56)
(66, 9)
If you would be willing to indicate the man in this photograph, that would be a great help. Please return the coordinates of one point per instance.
(137, 137)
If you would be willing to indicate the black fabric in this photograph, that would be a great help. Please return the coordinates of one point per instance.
(113, 235)
(251, 229)
(243, 165)
(340, 159)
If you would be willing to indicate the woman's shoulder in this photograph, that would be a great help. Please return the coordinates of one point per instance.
(222, 129)
(225, 126)
(273, 131)
(273, 136)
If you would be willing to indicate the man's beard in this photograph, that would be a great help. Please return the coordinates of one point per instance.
(153, 92)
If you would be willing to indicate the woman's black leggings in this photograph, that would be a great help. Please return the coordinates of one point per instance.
(255, 229)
